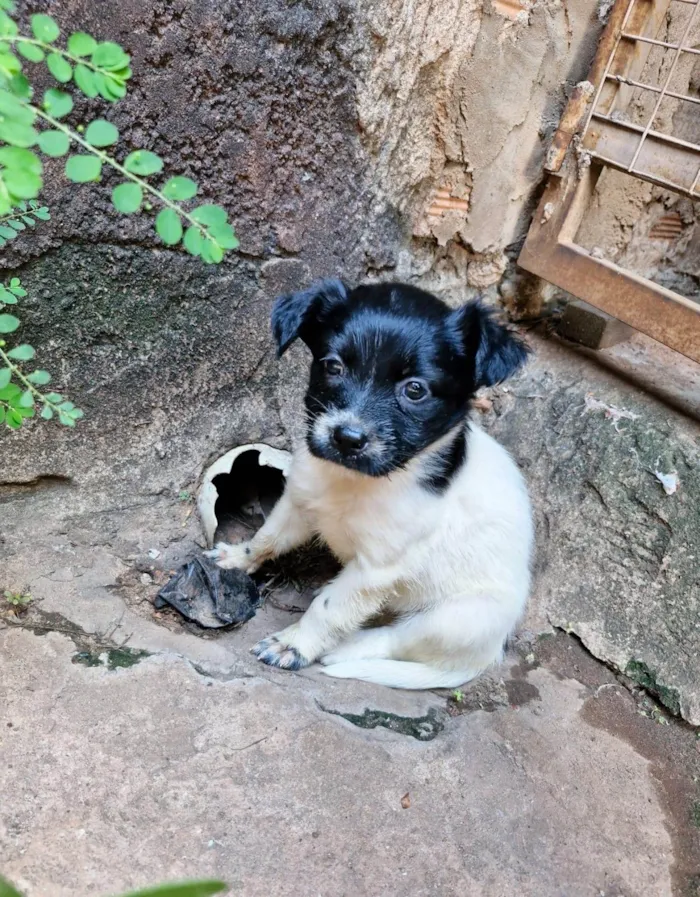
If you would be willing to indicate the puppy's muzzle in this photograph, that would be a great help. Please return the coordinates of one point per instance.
(349, 440)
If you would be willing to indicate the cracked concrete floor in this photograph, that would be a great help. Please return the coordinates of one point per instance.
(548, 778)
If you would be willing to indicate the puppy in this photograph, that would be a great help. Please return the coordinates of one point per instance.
(429, 515)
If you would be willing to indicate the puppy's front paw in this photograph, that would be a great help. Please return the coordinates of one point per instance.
(275, 652)
(231, 557)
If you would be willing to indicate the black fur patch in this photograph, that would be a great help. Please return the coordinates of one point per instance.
(445, 464)
(396, 365)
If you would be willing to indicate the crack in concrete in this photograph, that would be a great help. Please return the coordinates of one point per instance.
(92, 649)
(422, 728)
(636, 675)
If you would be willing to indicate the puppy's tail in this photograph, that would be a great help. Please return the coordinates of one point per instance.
(398, 673)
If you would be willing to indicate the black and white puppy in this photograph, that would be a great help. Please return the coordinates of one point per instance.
(428, 514)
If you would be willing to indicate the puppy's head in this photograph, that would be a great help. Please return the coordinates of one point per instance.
(393, 369)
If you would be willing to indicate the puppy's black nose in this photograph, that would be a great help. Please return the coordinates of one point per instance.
(348, 439)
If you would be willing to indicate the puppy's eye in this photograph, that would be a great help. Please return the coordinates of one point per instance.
(333, 367)
(415, 390)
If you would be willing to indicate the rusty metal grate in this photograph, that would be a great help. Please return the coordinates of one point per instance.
(615, 119)
(645, 150)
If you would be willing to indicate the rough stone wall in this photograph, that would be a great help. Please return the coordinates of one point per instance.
(257, 102)
(328, 128)
(457, 105)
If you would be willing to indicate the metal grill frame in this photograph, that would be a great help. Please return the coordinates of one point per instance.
(634, 132)
(550, 250)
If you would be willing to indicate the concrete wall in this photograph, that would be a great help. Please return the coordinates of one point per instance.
(327, 128)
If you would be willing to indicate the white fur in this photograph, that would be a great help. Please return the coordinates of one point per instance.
(455, 567)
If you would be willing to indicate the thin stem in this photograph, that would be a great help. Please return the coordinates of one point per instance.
(7, 361)
(76, 60)
(76, 138)
(18, 214)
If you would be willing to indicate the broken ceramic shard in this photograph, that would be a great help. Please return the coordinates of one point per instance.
(210, 491)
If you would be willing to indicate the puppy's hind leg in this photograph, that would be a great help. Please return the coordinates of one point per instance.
(443, 647)
(370, 655)
(364, 645)
(286, 528)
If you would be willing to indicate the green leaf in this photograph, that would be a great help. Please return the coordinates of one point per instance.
(47, 412)
(53, 397)
(211, 253)
(110, 56)
(57, 103)
(24, 159)
(77, 414)
(59, 67)
(224, 236)
(30, 51)
(26, 399)
(6, 298)
(5, 377)
(8, 323)
(85, 80)
(115, 89)
(7, 232)
(9, 64)
(101, 133)
(39, 378)
(143, 162)
(180, 889)
(127, 198)
(17, 134)
(13, 107)
(65, 419)
(20, 86)
(81, 44)
(83, 168)
(13, 420)
(21, 183)
(8, 27)
(42, 214)
(44, 28)
(169, 227)
(209, 214)
(10, 392)
(25, 352)
(54, 143)
(108, 87)
(17, 225)
(193, 240)
(180, 188)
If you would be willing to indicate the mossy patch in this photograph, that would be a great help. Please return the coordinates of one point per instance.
(640, 673)
(695, 813)
(422, 728)
(113, 658)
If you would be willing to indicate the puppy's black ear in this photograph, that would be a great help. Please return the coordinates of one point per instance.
(495, 352)
(292, 314)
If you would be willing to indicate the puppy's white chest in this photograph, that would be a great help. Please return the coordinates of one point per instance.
(355, 515)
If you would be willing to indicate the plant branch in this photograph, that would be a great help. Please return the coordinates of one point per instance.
(76, 60)
(17, 372)
(76, 138)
